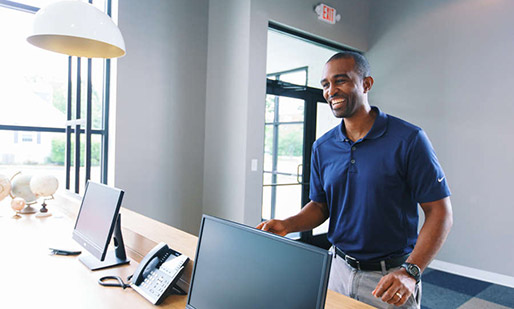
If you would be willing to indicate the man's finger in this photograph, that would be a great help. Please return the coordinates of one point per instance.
(389, 295)
(266, 227)
(405, 296)
(382, 286)
(396, 298)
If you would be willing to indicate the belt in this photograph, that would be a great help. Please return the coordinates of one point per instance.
(377, 265)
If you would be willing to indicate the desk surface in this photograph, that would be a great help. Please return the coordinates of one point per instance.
(32, 278)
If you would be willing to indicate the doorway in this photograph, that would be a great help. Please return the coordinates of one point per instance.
(296, 115)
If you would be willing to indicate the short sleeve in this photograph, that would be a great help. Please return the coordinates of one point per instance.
(425, 175)
(316, 191)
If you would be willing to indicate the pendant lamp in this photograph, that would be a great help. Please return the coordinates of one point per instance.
(77, 28)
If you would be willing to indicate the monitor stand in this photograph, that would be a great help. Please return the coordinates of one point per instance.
(114, 257)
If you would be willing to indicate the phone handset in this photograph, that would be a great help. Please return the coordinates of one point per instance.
(159, 271)
(155, 256)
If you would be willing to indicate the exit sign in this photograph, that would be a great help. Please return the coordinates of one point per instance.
(327, 13)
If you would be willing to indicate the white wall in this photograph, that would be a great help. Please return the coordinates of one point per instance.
(447, 66)
(236, 88)
(160, 113)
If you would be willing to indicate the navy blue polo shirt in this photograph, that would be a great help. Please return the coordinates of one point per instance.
(372, 186)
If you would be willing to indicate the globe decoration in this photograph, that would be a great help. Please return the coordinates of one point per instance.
(17, 205)
(20, 187)
(44, 186)
(5, 187)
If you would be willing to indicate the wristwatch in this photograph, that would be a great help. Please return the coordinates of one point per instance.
(413, 270)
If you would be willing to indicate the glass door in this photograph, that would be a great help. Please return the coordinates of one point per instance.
(283, 157)
(291, 129)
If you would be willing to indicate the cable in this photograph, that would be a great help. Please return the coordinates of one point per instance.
(120, 283)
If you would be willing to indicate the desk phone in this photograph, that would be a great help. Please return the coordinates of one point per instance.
(158, 273)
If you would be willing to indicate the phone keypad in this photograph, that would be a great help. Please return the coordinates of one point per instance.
(156, 283)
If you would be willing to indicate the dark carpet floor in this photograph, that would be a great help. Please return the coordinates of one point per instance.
(442, 290)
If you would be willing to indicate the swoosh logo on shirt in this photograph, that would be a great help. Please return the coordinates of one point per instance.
(440, 179)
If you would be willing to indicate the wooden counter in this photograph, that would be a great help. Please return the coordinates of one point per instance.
(31, 278)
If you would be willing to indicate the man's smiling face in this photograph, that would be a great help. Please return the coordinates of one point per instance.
(343, 87)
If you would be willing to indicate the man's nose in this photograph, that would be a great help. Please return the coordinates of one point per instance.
(331, 91)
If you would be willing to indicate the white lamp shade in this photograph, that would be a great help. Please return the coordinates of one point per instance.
(77, 29)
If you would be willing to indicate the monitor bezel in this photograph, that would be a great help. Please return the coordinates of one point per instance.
(327, 256)
(97, 250)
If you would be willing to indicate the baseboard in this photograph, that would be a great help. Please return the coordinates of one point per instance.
(473, 273)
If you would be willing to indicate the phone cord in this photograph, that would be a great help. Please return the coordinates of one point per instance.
(120, 283)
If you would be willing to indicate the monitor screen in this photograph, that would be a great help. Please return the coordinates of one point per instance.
(97, 220)
(237, 266)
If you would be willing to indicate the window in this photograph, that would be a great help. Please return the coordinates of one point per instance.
(54, 108)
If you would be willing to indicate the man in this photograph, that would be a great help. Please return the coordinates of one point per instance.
(368, 174)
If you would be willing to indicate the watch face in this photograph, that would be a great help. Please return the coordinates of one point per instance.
(413, 270)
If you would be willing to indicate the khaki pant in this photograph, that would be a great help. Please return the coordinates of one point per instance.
(359, 284)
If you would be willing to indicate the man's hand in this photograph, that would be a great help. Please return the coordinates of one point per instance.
(311, 215)
(438, 221)
(274, 226)
(392, 285)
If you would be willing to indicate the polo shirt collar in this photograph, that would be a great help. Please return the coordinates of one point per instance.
(377, 130)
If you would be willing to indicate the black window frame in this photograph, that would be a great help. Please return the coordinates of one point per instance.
(76, 124)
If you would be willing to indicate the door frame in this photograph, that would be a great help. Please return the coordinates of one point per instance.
(311, 96)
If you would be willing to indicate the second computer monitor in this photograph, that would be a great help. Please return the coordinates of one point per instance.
(237, 266)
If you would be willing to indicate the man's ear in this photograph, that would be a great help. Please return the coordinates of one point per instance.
(367, 83)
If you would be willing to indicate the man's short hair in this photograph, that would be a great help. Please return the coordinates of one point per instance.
(361, 63)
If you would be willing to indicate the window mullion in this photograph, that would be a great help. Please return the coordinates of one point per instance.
(77, 129)
(105, 110)
(274, 157)
(105, 120)
(67, 157)
(88, 121)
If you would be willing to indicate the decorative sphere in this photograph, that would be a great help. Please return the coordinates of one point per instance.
(44, 185)
(17, 203)
(21, 188)
(5, 186)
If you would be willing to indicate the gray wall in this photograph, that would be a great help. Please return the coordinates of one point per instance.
(160, 112)
(447, 66)
(228, 65)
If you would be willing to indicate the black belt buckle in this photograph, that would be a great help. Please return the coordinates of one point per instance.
(350, 260)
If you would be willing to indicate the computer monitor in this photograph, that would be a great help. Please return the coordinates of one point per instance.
(97, 220)
(237, 266)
